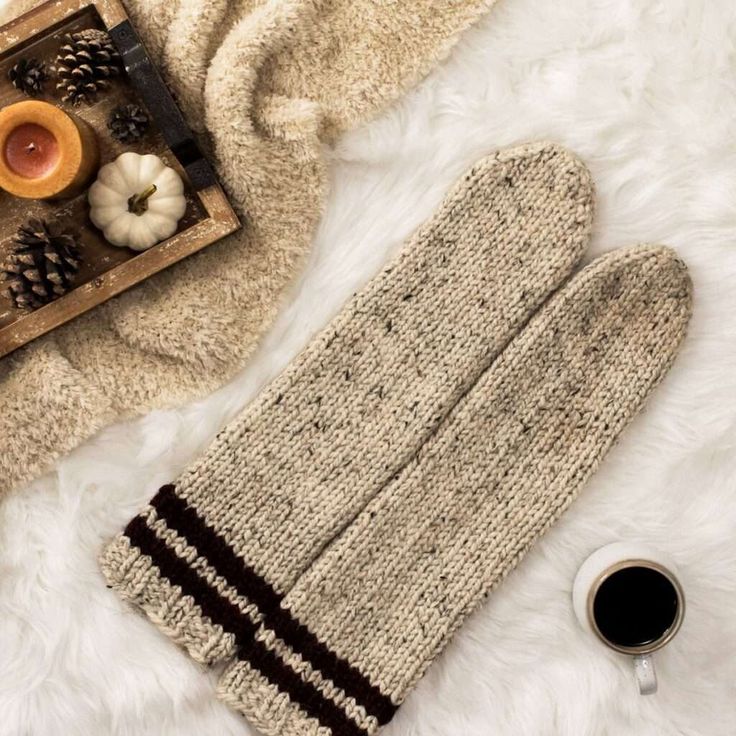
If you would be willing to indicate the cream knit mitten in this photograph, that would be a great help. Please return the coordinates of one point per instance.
(213, 555)
(364, 622)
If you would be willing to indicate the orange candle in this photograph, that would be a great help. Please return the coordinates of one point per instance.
(45, 153)
(31, 151)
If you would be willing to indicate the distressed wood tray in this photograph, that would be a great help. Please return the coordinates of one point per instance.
(106, 270)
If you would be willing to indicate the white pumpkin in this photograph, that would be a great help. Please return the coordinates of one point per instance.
(137, 201)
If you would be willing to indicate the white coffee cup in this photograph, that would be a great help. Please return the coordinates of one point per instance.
(628, 596)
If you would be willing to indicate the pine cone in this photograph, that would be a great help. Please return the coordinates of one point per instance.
(85, 64)
(28, 76)
(128, 123)
(42, 264)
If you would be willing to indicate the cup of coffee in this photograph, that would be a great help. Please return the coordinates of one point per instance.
(629, 597)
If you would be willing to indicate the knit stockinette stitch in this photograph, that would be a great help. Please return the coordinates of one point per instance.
(267, 83)
(384, 598)
(288, 475)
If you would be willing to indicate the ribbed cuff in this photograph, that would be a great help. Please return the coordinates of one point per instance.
(282, 695)
(297, 686)
(266, 707)
(190, 582)
(153, 566)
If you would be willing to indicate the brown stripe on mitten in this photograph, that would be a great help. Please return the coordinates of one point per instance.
(384, 598)
(212, 556)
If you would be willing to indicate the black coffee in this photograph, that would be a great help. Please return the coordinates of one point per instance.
(635, 607)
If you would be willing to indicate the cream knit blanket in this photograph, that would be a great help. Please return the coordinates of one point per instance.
(266, 83)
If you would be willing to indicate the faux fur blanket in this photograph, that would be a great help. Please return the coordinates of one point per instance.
(268, 83)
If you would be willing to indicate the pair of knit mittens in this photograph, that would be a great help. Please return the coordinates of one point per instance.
(340, 530)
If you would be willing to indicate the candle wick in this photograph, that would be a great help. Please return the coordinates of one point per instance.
(31, 147)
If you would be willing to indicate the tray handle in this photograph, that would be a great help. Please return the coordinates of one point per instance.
(147, 80)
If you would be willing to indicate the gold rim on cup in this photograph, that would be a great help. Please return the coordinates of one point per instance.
(672, 629)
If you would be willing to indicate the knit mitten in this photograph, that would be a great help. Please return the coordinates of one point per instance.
(362, 625)
(218, 550)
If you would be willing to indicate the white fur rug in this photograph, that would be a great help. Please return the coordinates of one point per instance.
(645, 92)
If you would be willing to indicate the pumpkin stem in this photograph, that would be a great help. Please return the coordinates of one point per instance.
(138, 203)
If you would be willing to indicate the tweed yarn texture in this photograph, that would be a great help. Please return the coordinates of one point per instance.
(387, 594)
(319, 443)
(267, 83)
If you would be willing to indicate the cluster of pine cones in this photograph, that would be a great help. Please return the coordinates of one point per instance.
(86, 63)
(84, 66)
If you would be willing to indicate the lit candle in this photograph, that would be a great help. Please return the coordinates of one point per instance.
(45, 153)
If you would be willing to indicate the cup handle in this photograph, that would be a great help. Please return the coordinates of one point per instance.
(646, 677)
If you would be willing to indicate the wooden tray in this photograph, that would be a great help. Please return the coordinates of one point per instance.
(106, 270)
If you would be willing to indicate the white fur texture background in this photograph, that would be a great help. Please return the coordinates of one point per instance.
(645, 92)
